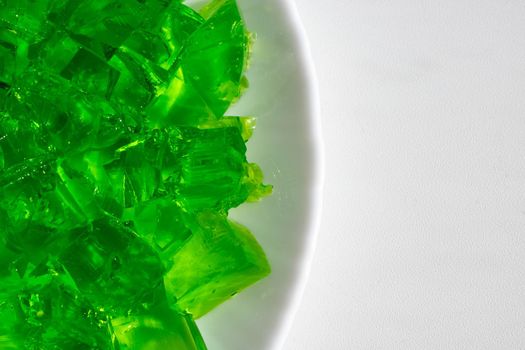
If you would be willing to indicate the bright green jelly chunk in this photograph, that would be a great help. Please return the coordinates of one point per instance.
(208, 75)
(158, 328)
(42, 307)
(220, 259)
(113, 267)
(118, 168)
(220, 45)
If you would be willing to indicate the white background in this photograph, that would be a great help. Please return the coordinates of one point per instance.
(422, 242)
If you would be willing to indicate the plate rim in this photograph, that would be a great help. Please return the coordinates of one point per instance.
(317, 172)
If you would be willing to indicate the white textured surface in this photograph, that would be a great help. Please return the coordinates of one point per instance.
(422, 242)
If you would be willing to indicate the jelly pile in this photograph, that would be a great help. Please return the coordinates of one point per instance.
(118, 168)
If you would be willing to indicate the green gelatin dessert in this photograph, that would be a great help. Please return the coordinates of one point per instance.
(118, 168)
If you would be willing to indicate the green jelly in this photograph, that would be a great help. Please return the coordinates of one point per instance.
(220, 258)
(118, 167)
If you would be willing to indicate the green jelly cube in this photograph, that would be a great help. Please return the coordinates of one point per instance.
(91, 74)
(162, 222)
(44, 310)
(54, 53)
(162, 43)
(215, 58)
(7, 67)
(129, 99)
(160, 328)
(113, 267)
(208, 76)
(212, 169)
(215, 174)
(19, 141)
(220, 259)
(26, 18)
(179, 103)
(105, 21)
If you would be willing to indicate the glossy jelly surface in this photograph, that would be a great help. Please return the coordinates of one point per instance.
(118, 168)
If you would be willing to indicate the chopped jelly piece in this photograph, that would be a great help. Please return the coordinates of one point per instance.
(113, 267)
(158, 328)
(43, 308)
(118, 168)
(219, 260)
(90, 73)
(221, 45)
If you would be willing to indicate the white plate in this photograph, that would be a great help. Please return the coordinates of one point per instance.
(286, 143)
